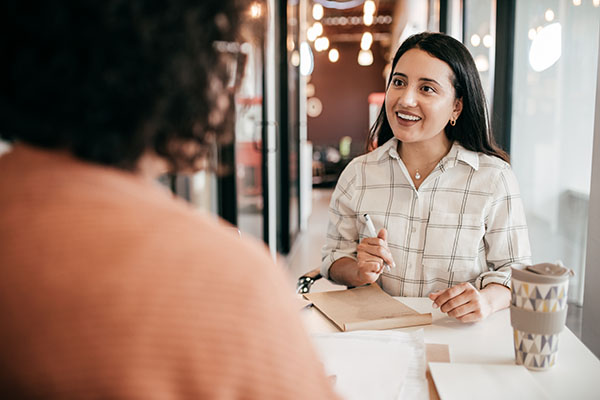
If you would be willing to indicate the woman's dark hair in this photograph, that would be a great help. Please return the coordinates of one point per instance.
(472, 130)
(109, 80)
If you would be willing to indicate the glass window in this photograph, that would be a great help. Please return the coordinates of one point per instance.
(554, 85)
(480, 39)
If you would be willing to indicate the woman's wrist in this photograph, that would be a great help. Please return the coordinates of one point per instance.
(497, 296)
(344, 271)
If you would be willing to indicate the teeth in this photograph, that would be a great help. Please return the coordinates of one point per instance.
(408, 117)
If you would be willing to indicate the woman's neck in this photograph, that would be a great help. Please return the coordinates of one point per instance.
(422, 157)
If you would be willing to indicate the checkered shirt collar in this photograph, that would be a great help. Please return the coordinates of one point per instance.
(456, 154)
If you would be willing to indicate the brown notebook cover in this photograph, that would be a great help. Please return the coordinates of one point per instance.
(366, 307)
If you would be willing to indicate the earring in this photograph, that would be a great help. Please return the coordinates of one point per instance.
(452, 122)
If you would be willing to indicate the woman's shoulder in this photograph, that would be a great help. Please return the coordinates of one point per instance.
(497, 173)
(494, 162)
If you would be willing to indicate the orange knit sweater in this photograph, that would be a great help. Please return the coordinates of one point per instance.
(112, 289)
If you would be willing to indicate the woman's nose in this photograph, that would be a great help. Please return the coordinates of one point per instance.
(407, 98)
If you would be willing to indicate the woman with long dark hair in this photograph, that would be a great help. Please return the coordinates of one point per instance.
(438, 187)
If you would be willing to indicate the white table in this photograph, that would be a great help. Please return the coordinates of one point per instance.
(576, 375)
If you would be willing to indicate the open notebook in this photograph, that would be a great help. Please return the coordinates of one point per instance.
(366, 307)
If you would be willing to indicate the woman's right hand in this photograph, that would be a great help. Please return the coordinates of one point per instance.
(372, 255)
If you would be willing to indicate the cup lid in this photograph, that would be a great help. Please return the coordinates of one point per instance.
(550, 269)
(542, 273)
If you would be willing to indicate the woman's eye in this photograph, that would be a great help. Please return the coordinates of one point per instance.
(428, 89)
(398, 82)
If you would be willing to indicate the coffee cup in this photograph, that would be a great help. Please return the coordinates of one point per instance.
(538, 313)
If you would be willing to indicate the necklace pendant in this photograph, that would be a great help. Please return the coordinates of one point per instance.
(417, 175)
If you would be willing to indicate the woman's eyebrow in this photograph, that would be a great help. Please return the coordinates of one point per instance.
(430, 80)
(420, 79)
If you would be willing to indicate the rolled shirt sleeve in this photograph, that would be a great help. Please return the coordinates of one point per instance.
(506, 237)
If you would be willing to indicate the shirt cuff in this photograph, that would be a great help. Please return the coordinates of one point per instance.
(330, 259)
(501, 277)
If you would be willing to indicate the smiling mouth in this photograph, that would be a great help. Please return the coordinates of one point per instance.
(407, 117)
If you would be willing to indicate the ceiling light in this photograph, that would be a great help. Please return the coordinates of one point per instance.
(546, 47)
(531, 34)
(306, 59)
(255, 10)
(311, 34)
(365, 58)
(321, 43)
(488, 41)
(482, 63)
(596, 3)
(369, 7)
(317, 12)
(334, 55)
(368, 19)
(295, 58)
(366, 41)
(318, 28)
(475, 40)
(549, 15)
(576, 2)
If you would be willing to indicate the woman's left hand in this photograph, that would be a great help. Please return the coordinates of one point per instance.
(468, 304)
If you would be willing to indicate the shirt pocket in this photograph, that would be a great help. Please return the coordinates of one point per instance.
(452, 241)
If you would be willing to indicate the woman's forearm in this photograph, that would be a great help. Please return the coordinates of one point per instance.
(345, 272)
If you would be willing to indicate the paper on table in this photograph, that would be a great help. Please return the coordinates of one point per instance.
(374, 364)
(435, 352)
(489, 381)
(366, 307)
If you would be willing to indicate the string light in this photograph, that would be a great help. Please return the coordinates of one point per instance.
(334, 55)
(318, 28)
(366, 41)
(311, 34)
(321, 44)
(255, 10)
(369, 7)
(365, 58)
(488, 41)
(317, 12)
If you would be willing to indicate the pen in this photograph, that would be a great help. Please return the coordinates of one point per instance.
(373, 232)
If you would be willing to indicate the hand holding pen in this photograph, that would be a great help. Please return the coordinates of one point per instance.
(373, 253)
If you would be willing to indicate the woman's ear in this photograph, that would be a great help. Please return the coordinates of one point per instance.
(458, 106)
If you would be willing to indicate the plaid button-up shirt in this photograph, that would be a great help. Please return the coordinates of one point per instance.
(465, 223)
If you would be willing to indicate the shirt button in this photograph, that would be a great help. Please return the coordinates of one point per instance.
(413, 230)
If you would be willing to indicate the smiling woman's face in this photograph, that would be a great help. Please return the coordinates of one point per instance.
(421, 99)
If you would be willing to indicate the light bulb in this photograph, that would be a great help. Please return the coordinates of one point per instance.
(366, 41)
(334, 55)
(369, 7)
(365, 58)
(317, 12)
